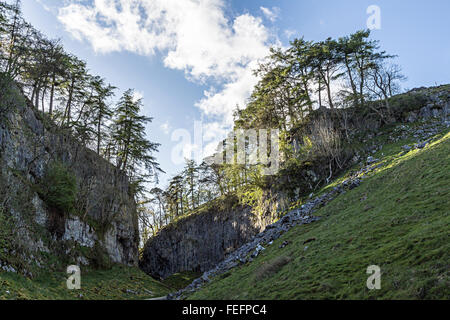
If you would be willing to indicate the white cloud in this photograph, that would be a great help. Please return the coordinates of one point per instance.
(271, 14)
(165, 127)
(195, 36)
(289, 33)
(233, 94)
(138, 95)
(46, 8)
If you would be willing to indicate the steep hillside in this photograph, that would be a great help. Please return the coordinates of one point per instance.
(397, 219)
(201, 241)
(60, 203)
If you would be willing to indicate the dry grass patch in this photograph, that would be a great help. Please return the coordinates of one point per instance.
(271, 267)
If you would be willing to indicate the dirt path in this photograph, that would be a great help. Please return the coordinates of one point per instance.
(158, 298)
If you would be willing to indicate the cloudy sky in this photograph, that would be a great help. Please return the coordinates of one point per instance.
(192, 60)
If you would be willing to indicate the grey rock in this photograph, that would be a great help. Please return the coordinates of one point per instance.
(371, 160)
(412, 117)
(422, 145)
(205, 277)
(406, 148)
(425, 112)
(103, 193)
(9, 269)
(200, 242)
(284, 244)
(80, 232)
(129, 291)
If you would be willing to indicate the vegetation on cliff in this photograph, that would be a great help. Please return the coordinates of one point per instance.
(397, 219)
(327, 100)
(71, 169)
(69, 99)
(59, 187)
(314, 93)
(75, 100)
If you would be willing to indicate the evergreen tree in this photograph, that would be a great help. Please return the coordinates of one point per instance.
(134, 151)
(100, 110)
(190, 174)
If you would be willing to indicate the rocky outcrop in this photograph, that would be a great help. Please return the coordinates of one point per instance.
(305, 214)
(102, 229)
(199, 241)
(353, 124)
(258, 243)
(435, 104)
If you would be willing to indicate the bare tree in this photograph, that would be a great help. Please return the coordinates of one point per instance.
(327, 143)
(384, 81)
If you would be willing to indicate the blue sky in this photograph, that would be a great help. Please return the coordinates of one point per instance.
(192, 60)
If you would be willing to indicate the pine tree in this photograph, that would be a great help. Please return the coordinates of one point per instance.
(134, 152)
(99, 108)
(190, 174)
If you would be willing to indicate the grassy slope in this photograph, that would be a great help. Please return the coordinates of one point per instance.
(181, 280)
(397, 219)
(402, 226)
(115, 284)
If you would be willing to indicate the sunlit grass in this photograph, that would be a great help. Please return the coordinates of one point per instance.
(397, 219)
(118, 283)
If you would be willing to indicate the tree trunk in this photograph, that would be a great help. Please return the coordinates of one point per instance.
(69, 102)
(352, 82)
(13, 39)
(36, 97)
(328, 84)
(52, 93)
(99, 124)
(320, 94)
(43, 99)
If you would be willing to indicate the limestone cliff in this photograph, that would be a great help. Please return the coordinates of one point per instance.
(103, 227)
(199, 241)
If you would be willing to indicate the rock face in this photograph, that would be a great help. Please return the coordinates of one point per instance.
(198, 242)
(305, 214)
(436, 104)
(104, 226)
(201, 241)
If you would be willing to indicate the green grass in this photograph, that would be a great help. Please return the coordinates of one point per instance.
(397, 219)
(181, 280)
(118, 283)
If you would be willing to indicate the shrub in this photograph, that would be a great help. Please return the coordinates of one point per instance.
(408, 102)
(326, 141)
(59, 187)
(6, 226)
(9, 96)
(100, 258)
